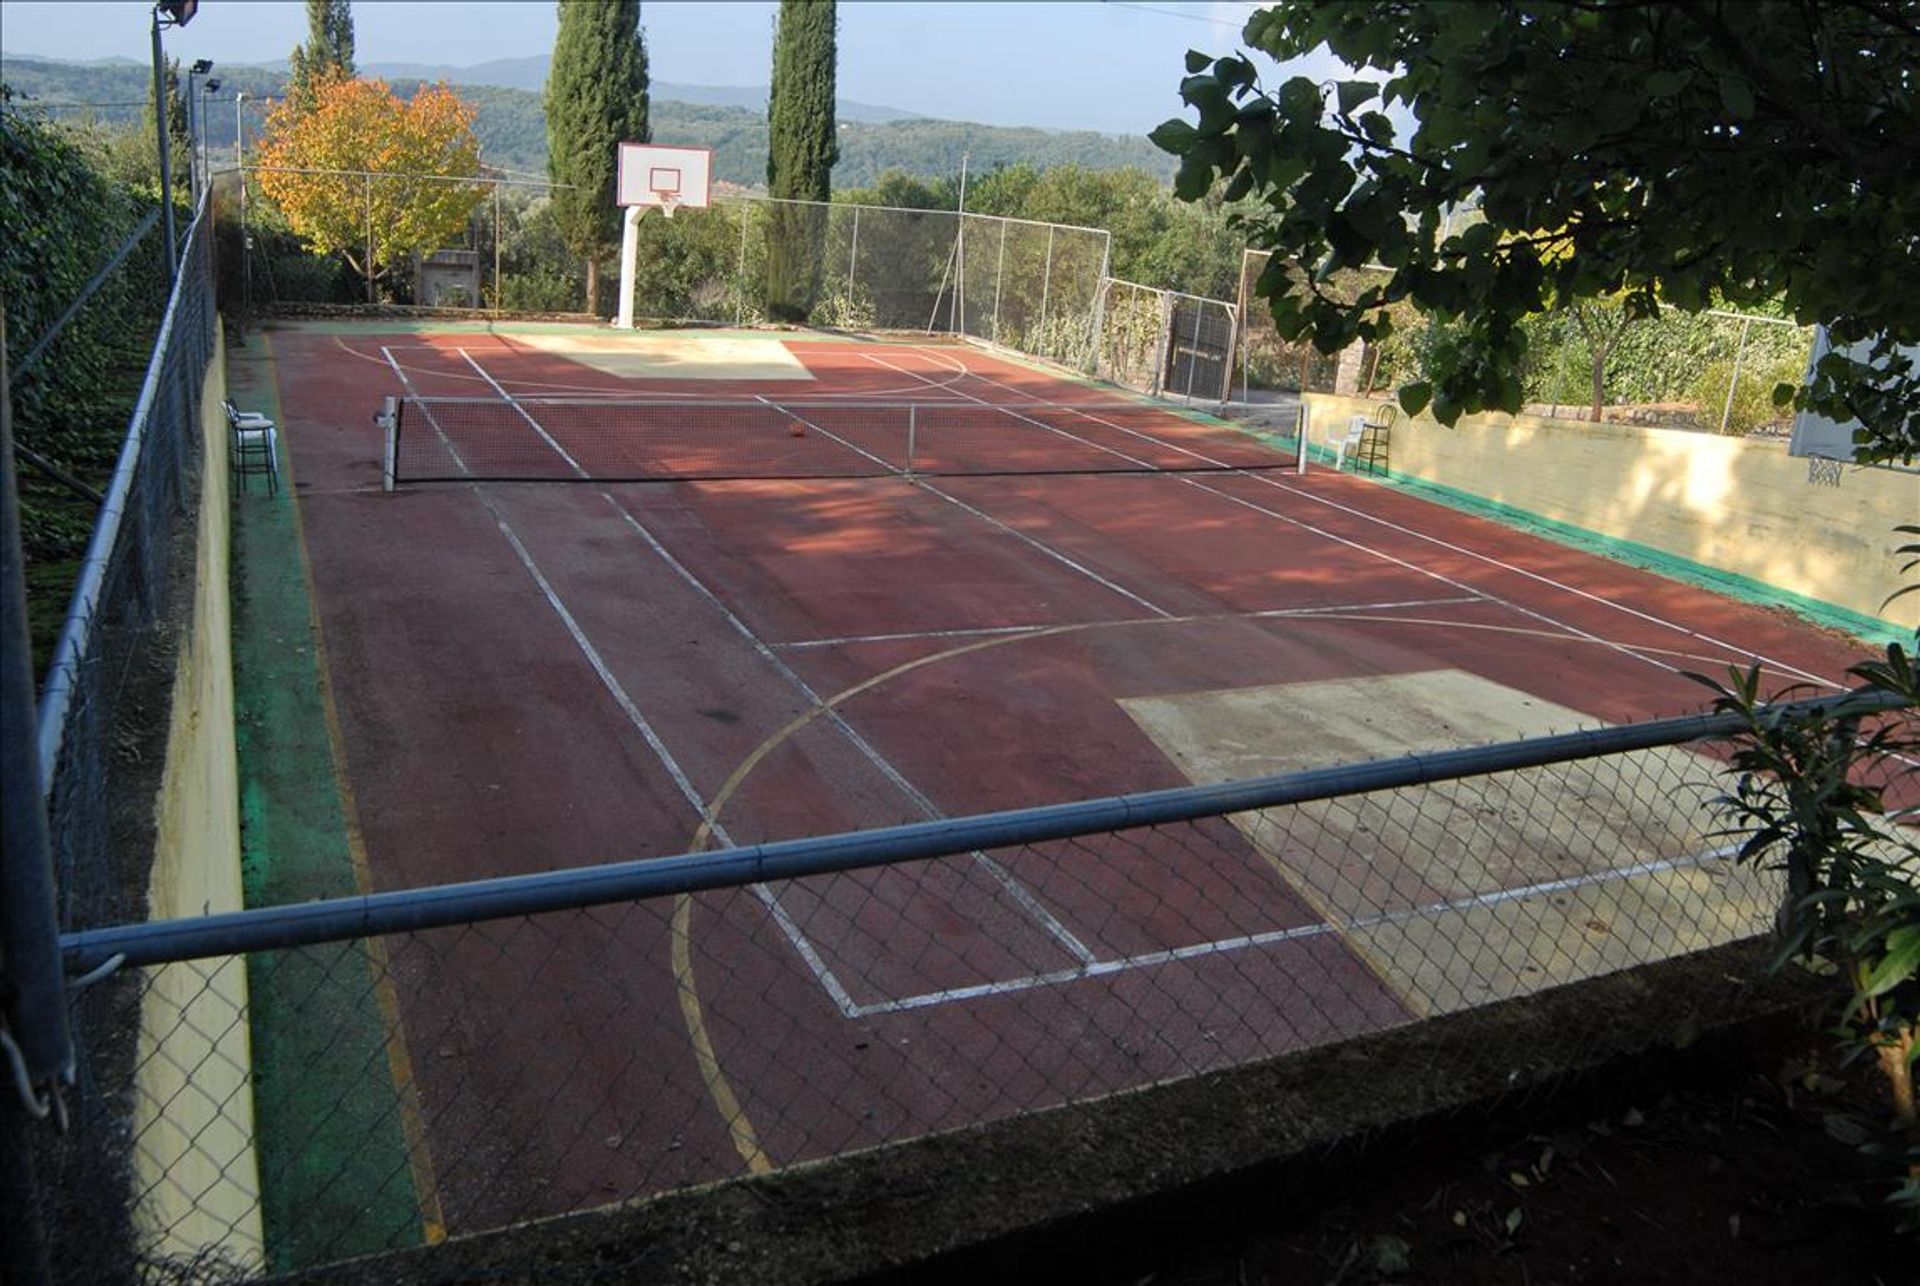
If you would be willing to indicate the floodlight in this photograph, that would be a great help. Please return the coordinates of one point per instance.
(211, 85)
(178, 12)
(201, 66)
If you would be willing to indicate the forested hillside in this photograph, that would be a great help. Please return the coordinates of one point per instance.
(513, 132)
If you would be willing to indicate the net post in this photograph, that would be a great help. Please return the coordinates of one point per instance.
(1300, 458)
(913, 415)
(389, 422)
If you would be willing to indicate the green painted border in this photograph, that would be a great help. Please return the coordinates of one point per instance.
(1745, 589)
(335, 1178)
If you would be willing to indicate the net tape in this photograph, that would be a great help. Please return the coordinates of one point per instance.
(453, 439)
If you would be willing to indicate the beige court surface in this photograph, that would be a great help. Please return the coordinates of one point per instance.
(1465, 892)
(689, 355)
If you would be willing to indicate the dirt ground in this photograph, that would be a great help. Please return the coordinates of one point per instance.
(1758, 1182)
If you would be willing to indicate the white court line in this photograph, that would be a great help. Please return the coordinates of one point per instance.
(682, 782)
(1227, 946)
(1021, 536)
(1019, 892)
(1568, 629)
(433, 421)
(1561, 586)
(987, 631)
(509, 399)
(602, 392)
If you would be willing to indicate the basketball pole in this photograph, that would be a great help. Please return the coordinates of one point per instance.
(629, 256)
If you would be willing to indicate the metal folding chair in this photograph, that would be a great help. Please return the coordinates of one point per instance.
(252, 446)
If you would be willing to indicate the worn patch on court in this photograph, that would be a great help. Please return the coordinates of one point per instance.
(1465, 892)
(675, 356)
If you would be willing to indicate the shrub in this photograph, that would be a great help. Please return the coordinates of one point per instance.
(1752, 405)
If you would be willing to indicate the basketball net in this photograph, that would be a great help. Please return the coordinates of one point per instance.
(669, 201)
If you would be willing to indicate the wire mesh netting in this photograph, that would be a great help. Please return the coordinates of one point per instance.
(100, 724)
(1714, 370)
(580, 439)
(302, 1105)
(120, 601)
(741, 261)
(1266, 362)
(1165, 343)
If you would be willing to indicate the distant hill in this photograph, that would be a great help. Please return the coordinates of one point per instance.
(530, 73)
(512, 126)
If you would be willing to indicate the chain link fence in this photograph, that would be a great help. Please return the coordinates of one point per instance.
(1166, 343)
(1024, 285)
(94, 689)
(1268, 364)
(1713, 370)
(320, 1081)
(97, 736)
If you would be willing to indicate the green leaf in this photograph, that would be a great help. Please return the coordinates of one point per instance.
(1665, 84)
(1736, 95)
(1197, 61)
(1174, 136)
(1414, 397)
(1300, 99)
(1352, 93)
(1901, 962)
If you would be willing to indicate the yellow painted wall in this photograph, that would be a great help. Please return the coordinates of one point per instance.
(1729, 503)
(193, 1102)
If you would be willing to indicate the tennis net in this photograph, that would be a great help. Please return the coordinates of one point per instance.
(535, 439)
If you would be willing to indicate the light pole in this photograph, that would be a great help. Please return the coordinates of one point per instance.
(207, 92)
(240, 173)
(167, 13)
(201, 66)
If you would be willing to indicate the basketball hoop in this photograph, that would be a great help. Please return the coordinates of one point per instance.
(655, 176)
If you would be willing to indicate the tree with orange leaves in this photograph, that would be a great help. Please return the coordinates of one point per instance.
(365, 175)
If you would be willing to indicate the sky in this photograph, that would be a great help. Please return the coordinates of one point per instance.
(1113, 66)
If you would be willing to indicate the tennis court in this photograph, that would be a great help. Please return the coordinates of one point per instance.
(794, 586)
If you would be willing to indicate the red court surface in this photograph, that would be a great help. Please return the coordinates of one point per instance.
(538, 676)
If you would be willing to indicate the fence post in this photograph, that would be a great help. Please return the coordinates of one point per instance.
(498, 301)
(1193, 349)
(1162, 345)
(1739, 356)
(740, 277)
(1046, 289)
(999, 275)
(35, 993)
(853, 257)
(1098, 319)
(369, 186)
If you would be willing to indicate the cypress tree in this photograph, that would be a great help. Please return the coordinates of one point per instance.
(328, 51)
(596, 100)
(801, 149)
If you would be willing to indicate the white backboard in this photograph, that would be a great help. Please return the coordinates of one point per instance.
(651, 174)
(1816, 435)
